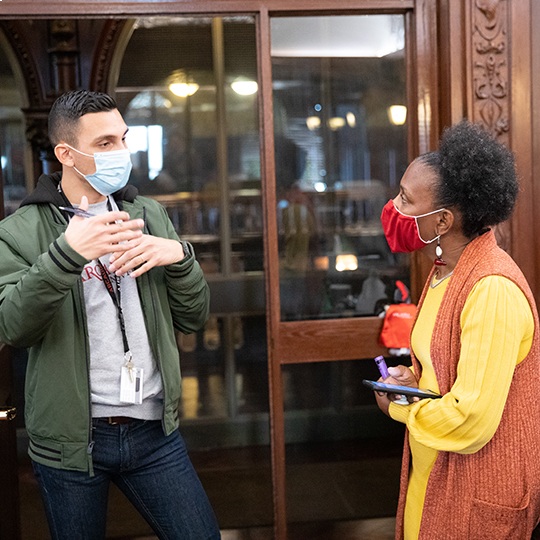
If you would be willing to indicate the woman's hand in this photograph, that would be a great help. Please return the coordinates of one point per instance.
(401, 375)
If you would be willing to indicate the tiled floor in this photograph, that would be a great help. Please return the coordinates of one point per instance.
(331, 486)
(125, 524)
(368, 529)
(324, 495)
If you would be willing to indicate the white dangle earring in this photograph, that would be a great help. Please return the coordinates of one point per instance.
(439, 261)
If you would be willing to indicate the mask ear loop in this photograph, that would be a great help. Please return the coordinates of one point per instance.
(439, 261)
(82, 153)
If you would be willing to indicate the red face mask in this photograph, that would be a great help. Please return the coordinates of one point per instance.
(401, 230)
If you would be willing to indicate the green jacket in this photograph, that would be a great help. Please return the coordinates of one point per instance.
(42, 309)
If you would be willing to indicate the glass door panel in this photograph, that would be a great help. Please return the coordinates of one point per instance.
(194, 137)
(187, 90)
(339, 86)
(341, 147)
(12, 140)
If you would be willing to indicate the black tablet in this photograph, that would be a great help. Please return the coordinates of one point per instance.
(401, 390)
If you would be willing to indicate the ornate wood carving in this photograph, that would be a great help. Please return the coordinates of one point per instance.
(16, 35)
(490, 57)
(102, 64)
(64, 53)
(48, 52)
(490, 64)
(37, 134)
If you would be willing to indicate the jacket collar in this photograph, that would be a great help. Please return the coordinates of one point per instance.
(48, 192)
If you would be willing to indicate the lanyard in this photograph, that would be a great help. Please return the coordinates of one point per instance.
(117, 301)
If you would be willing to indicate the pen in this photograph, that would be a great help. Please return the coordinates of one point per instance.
(76, 211)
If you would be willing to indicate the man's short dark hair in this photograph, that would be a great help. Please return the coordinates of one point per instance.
(68, 109)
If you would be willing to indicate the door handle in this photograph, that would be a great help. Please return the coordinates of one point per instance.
(8, 413)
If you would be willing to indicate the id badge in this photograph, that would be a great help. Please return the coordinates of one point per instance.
(131, 385)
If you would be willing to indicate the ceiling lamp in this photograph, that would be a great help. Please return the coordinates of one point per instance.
(313, 123)
(345, 259)
(244, 87)
(336, 122)
(346, 262)
(182, 85)
(397, 114)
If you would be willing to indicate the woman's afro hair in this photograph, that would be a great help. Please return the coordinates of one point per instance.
(477, 176)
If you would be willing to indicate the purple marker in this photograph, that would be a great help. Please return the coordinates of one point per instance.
(381, 364)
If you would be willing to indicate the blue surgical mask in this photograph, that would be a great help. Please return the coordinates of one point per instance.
(112, 170)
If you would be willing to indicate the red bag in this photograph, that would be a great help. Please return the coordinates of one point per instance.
(397, 326)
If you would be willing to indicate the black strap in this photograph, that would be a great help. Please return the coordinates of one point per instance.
(116, 297)
(114, 294)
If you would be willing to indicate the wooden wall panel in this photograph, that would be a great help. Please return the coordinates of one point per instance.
(488, 84)
(525, 247)
(499, 89)
(535, 142)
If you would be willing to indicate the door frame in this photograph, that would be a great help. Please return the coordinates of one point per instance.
(301, 341)
(442, 52)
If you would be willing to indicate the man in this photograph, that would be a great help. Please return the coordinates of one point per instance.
(94, 281)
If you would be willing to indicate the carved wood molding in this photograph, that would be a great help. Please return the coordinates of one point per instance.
(17, 39)
(35, 113)
(490, 58)
(64, 55)
(102, 64)
(490, 64)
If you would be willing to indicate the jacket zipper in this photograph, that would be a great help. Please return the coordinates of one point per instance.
(153, 340)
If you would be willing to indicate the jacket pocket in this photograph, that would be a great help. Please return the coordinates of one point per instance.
(494, 521)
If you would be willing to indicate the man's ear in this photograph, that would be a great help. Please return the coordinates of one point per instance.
(446, 221)
(63, 154)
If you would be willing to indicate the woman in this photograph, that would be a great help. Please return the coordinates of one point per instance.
(470, 469)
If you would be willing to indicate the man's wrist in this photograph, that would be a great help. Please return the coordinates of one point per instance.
(186, 250)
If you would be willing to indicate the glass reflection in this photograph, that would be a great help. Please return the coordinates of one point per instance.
(194, 137)
(338, 160)
(12, 139)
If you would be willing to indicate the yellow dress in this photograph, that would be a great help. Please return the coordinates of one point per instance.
(497, 329)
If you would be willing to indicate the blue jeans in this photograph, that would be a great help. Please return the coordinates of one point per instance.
(153, 471)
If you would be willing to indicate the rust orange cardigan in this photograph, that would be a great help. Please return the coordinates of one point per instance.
(494, 493)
